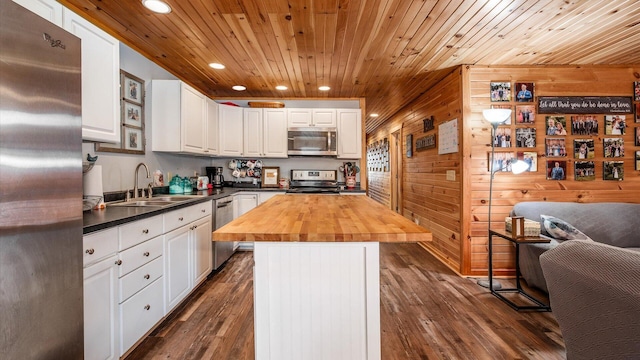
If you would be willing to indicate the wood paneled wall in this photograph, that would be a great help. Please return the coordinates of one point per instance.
(509, 189)
(426, 196)
(456, 211)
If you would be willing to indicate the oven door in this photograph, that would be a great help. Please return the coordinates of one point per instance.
(312, 141)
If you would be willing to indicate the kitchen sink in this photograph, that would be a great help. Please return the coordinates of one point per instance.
(156, 201)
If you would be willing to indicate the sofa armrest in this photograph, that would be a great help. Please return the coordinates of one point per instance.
(594, 291)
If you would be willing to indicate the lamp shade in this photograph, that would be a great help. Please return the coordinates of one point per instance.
(519, 166)
(496, 116)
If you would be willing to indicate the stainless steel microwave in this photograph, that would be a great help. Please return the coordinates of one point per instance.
(312, 141)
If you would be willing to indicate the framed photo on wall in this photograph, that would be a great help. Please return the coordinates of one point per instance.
(556, 170)
(524, 91)
(132, 140)
(638, 136)
(556, 125)
(585, 171)
(526, 137)
(638, 160)
(613, 147)
(584, 149)
(500, 91)
(584, 125)
(613, 170)
(615, 125)
(636, 90)
(555, 147)
(525, 114)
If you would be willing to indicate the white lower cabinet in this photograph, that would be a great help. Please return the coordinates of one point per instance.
(127, 269)
(101, 294)
(177, 266)
(243, 203)
(140, 313)
(101, 321)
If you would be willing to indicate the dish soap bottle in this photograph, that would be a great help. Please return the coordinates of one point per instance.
(175, 186)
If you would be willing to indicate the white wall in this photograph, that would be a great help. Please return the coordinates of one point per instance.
(118, 169)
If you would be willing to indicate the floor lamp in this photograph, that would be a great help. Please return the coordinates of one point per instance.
(497, 117)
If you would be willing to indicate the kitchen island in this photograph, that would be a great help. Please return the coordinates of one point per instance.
(317, 273)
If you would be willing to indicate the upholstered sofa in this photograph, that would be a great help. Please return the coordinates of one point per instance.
(594, 290)
(615, 224)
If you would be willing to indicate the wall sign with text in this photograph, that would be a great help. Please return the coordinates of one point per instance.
(585, 105)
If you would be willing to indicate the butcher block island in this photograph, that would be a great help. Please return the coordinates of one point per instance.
(317, 273)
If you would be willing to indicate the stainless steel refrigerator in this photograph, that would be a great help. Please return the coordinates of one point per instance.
(41, 313)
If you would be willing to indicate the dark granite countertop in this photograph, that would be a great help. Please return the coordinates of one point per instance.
(96, 220)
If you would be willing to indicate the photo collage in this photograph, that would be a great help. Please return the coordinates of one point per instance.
(568, 138)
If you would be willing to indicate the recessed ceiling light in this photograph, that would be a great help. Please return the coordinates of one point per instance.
(281, 87)
(324, 88)
(217, 66)
(239, 88)
(157, 6)
(374, 115)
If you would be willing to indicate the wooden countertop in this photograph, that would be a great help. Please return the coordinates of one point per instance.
(322, 218)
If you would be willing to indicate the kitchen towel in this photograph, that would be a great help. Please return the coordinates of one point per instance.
(92, 181)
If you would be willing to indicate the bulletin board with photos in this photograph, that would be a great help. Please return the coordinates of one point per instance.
(132, 97)
(568, 138)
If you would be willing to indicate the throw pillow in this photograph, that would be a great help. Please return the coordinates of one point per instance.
(560, 229)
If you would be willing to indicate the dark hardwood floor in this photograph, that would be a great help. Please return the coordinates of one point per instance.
(427, 312)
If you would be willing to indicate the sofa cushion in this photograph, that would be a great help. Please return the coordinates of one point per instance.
(610, 223)
(560, 229)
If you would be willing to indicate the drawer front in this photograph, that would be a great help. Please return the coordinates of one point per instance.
(139, 255)
(200, 210)
(99, 245)
(140, 278)
(136, 232)
(176, 219)
(140, 313)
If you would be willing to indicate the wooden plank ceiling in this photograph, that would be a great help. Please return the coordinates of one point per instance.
(386, 51)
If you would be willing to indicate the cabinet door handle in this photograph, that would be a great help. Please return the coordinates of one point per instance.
(147, 276)
(147, 307)
(181, 218)
(90, 251)
(145, 231)
(146, 253)
(195, 226)
(118, 262)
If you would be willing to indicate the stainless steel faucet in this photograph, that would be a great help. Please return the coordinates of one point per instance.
(135, 184)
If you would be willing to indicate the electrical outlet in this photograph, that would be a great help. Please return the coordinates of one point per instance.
(417, 221)
(451, 175)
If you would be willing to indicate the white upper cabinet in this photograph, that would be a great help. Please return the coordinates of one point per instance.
(100, 70)
(349, 133)
(311, 117)
(324, 118)
(231, 130)
(212, 139)
(100, 79)
(48, 9)
(299, 117)
(252, 141)
(274, 137)
(180, 119)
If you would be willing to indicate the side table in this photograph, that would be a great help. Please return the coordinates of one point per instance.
(539, 305)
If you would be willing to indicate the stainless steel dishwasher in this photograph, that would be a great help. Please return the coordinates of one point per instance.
(222, 250)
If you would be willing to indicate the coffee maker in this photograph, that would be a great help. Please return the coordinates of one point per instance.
(217, 179)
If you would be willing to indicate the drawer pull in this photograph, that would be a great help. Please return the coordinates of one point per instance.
(118, 262)
(147, 276)
(203, 210)
(145, 231)
(181, 218)
(90, 251)
(146, 253)
(147, 307)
